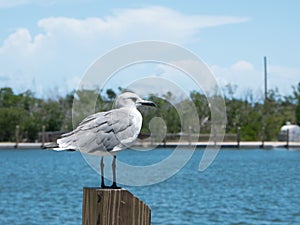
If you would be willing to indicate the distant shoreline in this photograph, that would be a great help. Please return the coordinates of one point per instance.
(225, 145)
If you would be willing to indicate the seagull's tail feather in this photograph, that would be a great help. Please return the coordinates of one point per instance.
(65, 143)
(56, 147)
(62, 149)
(51, 145)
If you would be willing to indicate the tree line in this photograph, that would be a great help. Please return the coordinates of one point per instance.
(254, 118)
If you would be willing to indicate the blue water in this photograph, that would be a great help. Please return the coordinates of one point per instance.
(240, 187)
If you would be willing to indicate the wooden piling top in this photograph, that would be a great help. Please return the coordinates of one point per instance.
(113, 207)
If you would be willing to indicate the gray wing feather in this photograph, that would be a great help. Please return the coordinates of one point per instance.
(100, 131)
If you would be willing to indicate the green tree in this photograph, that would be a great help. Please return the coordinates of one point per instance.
(9, 119)
(8, 98)
(296, 92)
(31, 113)
(165, 110)
(203, 111)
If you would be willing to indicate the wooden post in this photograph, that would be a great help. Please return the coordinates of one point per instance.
(287, 138)
(113, 207)
(263, 137)
(17, 136)
(43, 136)
(214, 135)
(238, 136)
(190, 133)
(151, 140)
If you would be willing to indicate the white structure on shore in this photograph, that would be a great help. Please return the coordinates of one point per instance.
(289, 130)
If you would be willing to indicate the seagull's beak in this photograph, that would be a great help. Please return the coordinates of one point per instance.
(144, 102)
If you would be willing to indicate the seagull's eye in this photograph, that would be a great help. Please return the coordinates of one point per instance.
(134, 99)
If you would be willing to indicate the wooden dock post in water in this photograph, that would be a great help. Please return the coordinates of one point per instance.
(43, 136)
(287, 138)
(113, 207)
(17, 136)
(238, 137)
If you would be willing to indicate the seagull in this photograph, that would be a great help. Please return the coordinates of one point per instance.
(106, 133)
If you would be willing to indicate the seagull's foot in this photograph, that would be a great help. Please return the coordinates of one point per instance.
(114, 186)
(104, 186)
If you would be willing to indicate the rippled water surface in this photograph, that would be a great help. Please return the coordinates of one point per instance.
(240, 187)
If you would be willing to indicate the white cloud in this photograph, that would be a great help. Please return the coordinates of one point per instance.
(285, 77)
(243, 78)
(247, 77)
(286, 72)
(242, 74)
(242, 66)
(135, 24)
(65, 47)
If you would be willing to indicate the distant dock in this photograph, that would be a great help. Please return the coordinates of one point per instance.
(229, 145)
(225, 145)
(25, 145)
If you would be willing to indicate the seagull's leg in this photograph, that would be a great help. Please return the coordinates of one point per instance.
(102, 172)
(114, 185)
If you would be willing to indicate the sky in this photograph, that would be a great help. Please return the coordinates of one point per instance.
(47, 46)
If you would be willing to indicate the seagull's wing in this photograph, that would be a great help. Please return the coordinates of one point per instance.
(104, 131)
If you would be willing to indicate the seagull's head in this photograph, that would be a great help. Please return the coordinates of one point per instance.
(129, 99)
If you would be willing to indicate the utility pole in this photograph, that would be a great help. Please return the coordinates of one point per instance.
(266, 111)
(266, 78)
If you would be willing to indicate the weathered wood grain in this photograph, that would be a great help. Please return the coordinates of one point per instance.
(113, 207)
